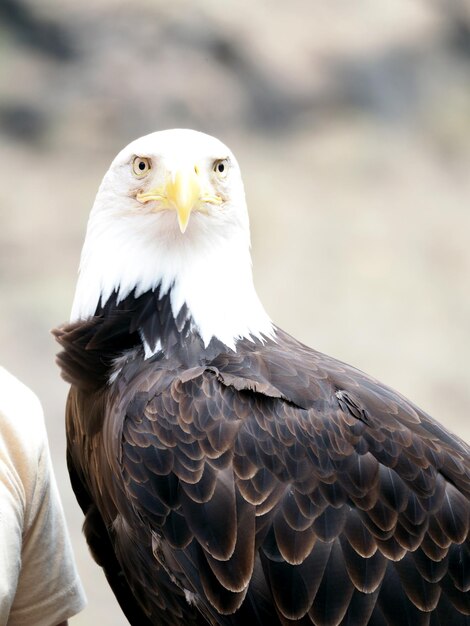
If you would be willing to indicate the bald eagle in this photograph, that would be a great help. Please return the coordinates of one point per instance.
(229, 474)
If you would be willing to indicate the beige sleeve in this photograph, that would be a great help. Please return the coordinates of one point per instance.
(49, 590)
(39, 584)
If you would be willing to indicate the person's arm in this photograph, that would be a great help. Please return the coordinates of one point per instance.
(45, 585)
(48, 585)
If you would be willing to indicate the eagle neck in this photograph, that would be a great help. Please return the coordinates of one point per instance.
(208, 286)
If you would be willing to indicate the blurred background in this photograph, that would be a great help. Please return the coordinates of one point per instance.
(351, 122)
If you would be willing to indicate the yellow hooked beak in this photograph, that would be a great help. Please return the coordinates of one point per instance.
(182, 192)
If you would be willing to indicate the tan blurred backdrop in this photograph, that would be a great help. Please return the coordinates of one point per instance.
(351, 122)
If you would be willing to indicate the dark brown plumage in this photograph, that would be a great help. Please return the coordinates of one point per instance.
(271, 485)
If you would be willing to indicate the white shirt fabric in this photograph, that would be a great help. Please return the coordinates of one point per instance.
(39, 584)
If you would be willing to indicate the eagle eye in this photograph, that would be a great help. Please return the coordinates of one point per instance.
(220, 167)
(141, 166)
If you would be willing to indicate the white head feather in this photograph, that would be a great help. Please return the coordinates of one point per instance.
(130, 245)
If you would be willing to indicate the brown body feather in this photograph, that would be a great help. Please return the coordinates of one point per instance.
(277, 485)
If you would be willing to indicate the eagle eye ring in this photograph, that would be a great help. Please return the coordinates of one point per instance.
(141, 166)
(221, 167)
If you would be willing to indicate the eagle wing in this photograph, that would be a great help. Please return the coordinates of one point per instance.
(124, 550)
(282, 486)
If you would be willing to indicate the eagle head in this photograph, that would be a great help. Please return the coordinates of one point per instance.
(171, 214)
